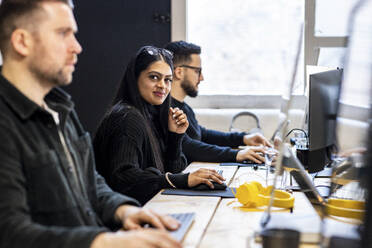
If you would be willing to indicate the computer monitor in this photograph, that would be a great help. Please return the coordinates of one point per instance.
(366, 177)
(324, 94)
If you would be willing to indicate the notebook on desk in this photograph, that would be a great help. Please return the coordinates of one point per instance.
(226, 193)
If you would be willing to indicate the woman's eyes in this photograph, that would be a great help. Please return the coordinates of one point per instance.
(157, 78)
(154, 77)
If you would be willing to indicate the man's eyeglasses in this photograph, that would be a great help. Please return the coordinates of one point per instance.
(198, 70)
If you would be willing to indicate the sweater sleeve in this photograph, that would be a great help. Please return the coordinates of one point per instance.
(209, 136)
(231, 139)
(109, 201)
(196, 150)
(175, 159)
(126, 160)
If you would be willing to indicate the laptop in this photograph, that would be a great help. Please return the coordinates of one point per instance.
(186, 219)
(303, 179)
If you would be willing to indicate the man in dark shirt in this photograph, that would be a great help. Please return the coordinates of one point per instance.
(50, 193)
(202, 144)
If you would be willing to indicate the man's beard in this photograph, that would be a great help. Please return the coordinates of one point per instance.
(188, 88)
(50, 76)
(46, 70)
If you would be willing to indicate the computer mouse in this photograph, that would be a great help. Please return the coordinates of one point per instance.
(216, 185)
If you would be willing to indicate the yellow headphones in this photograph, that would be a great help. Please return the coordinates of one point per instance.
(254, 195)
(346, 208)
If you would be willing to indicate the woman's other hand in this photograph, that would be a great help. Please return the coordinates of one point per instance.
(204, 176)
(177, 121)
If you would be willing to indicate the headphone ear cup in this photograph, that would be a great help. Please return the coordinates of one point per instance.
(247, 194)
(258, 185)
(267, 190)
(254, 195)
(259, 200)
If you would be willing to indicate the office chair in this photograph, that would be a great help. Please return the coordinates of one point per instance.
(244, 119)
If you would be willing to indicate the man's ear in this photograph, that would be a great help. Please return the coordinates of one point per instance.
(178, 73)
(21, 41)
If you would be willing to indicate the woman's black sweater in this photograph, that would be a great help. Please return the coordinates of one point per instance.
(124, 156)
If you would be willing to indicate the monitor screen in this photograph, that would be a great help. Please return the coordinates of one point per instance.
(324, 94)
(367, 182)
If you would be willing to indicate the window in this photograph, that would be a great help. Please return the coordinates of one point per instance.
(332, 16)
(248, 46)
(358, 70)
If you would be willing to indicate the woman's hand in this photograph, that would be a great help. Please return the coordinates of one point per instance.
(204, 176)
(177, 121)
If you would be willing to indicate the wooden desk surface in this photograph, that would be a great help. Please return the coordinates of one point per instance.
(221, 222)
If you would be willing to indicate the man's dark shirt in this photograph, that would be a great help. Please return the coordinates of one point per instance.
(40, 202)
(206, 145)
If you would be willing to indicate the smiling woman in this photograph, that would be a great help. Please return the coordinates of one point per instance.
(155, 82)
(138, 144)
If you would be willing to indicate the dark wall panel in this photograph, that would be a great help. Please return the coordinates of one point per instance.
(110, 32)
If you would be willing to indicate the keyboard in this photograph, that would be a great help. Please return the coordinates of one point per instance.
(186, 220)
(324, 190)
(246, 163)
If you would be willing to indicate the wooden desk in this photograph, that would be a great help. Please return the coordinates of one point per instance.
(221, 222)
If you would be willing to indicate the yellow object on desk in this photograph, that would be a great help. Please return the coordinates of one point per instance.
(254, 195)
(346, 208)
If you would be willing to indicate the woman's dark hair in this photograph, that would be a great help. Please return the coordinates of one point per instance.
(128, 93)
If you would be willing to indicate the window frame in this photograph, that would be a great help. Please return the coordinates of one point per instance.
(312, 46)
(312, 43)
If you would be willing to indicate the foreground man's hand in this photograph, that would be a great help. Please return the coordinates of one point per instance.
(143, 238)
(134, 218)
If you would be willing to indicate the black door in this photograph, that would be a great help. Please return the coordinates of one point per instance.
(110, 32)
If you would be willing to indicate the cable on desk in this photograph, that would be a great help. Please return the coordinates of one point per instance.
(298, 129)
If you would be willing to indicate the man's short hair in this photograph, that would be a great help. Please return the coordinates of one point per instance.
(182, 51)
(17, 13)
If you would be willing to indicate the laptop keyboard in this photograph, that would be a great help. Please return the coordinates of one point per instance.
(185, 219)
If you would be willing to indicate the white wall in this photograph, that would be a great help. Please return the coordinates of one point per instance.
(211, 113)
